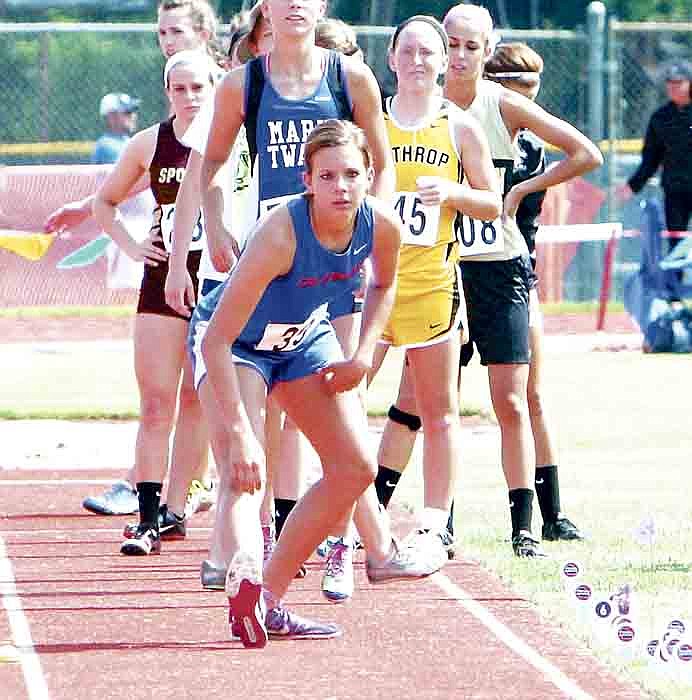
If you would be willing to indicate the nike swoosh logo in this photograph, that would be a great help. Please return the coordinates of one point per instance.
(389, 484)
(511, 504)
(435, 325)
(363, 247)
(540, 481)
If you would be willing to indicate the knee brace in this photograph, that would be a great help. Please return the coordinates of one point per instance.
(411, 421)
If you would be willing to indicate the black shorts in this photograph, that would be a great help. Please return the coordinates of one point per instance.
(497, 304)
(152, 297)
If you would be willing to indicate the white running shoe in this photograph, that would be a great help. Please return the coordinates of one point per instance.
(337, 582)
(201, 496)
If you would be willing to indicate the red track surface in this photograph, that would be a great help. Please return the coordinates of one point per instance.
(105, 626)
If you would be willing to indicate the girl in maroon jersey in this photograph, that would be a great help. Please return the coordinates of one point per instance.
(160, 331)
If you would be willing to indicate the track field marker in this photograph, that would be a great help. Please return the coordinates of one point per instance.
(505, 635)
(21, 634)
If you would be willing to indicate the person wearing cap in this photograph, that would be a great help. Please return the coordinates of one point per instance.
(120, 114)
(668, 143)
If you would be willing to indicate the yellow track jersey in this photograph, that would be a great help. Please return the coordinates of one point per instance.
(427, 255)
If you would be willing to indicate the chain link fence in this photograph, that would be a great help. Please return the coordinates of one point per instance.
(56, 74)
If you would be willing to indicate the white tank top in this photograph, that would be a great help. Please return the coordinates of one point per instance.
(486, 109)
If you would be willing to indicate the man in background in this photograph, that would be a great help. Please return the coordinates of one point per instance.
(668, 143)
(120, 114)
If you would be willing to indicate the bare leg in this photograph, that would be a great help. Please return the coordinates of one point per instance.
(190, 455)
(335, 426)
(159, 353)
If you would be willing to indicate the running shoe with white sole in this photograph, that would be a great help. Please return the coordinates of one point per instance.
(434, 543)
(171, 527)
(146, 540)
(284, 624)
(119, 499)
(402, 564)
(526, 546)
(337, 581)
(212, 577)
(246, 614)
(201, 496)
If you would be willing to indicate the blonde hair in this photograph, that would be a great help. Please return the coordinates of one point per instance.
(335, 34)
(203, 18)
(336, 132)
(477, 14)
(514, 63)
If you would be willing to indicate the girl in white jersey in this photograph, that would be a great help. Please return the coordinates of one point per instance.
(497, 272)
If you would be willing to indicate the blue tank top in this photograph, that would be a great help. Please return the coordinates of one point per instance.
(295, 304)
(277, 128)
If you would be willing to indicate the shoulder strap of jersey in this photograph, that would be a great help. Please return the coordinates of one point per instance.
(336, 80)
(254, 85)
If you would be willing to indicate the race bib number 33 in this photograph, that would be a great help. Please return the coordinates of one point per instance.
(284, 337)
(421, 223)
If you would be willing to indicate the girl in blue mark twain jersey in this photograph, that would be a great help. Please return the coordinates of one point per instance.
(281, 340)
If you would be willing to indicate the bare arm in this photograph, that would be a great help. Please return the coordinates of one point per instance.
(268, 255)
(379, 299)
(73, 214)
(367, 114)
(480, 198)
(179, 290)
(129, 169)
(581, 154)
(226, 122)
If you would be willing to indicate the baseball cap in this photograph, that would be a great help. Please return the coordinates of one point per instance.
(680, 70)
(117, 102)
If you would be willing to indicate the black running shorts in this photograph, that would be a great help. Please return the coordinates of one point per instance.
(497, 304)
(152, 297)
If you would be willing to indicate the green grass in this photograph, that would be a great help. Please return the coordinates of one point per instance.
(585, 307)
(67, 312)
(622, 421)
(625, 445)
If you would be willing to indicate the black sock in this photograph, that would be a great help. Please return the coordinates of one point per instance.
(385, 483)
(548, 492)
(149, 495)
(450, 520)
(282, 509)
(520, 508)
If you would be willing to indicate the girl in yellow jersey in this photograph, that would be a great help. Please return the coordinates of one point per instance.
(496, 268)
(435, 147)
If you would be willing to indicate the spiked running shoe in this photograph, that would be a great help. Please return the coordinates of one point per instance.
(337, 582)
(171, 527)
(201, 496)
(562, 528)
(283, 624)
(246, 606)
(404, 563)
(212, 577)
(146, 540)
(119, 499)
(526, 546)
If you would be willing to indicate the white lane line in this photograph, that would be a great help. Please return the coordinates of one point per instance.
(21, 634)
(55, 482)
(505, 635)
